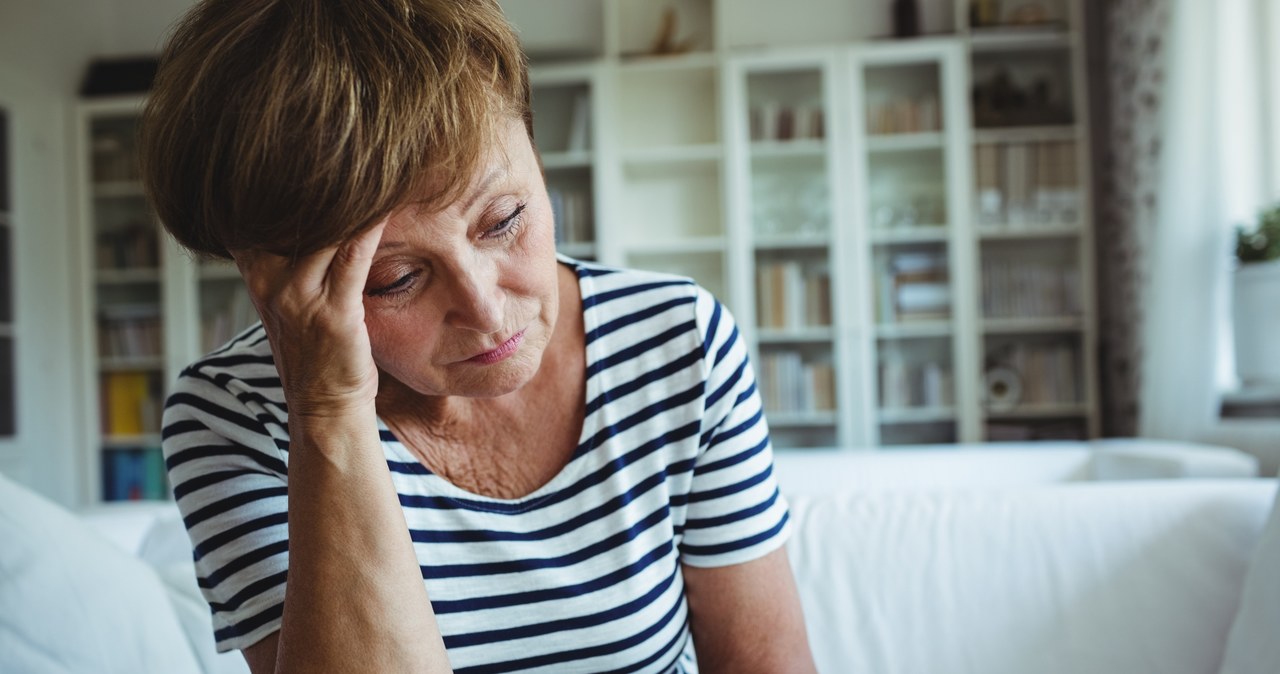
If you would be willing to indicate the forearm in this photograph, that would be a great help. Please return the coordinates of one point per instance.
(355, 600)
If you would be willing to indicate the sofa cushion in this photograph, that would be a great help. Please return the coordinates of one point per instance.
(1254, 644)
(1105, 578)
(70, 601)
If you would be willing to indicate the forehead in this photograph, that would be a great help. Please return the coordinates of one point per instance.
(508, 156)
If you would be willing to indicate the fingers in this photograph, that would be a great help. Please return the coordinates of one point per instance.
(349, 268)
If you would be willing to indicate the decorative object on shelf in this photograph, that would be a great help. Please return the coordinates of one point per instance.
(1002, 101)
(984, 13)
(1028, 14)
(906, 18)
(1256, 301)
(666, 43)
(1001, 389)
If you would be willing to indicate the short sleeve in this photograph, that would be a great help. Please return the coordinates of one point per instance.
(222, 445)
(735, 512)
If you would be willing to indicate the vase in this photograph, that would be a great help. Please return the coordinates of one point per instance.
(1256, 322)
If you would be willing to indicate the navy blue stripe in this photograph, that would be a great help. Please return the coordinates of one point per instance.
(730, 489)
(712, 325)
(650, 377)
(713, 466)
(565, 624)
(636, 350)
(224, 537)
(181, 428)
(635, 317)
(724, 348)
(609, 295)
(740, 428)
(210, 479)
(250, 591)
(244, 561)
(740, 544)
(585, 271)
(555, 593)
(681, 636)
(268, 463)
(728, 385)
(579, 653)
(231, 502)
(266, 616)
(212, 409)
(492, 535)
(733, 517)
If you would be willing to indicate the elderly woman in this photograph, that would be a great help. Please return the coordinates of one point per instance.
(465, 453)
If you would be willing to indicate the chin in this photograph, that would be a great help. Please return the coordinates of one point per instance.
(499, 379)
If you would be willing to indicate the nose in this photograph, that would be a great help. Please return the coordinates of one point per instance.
(476, 301)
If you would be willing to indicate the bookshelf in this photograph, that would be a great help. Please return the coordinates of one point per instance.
(151, 311)
(889, 220)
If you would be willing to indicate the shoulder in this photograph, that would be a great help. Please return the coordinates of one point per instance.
(612, 295)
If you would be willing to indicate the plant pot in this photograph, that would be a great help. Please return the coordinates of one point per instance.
(1256, 316)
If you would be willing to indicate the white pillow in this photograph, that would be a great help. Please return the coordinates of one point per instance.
(1254, 644)
(72, 602)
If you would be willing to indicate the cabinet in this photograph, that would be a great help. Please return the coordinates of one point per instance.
(903, 227)
(151, 308)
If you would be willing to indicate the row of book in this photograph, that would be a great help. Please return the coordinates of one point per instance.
(131, 403)
(130, 330)
(133, 474)
(1047, 373)
(905, 384)
(135, 246)
(904, 114)
(1034, 183)
(1014, 288)
(572, 211)
(222, 323)
(914, 286)
(790, 383)
(1058, 429)
(772, 121)
(792, 294)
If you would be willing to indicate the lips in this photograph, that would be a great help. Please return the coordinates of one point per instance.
(504, 351)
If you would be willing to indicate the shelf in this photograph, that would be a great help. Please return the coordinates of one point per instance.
(636, 63)
(916, 415)
(795, 242)
(117, 442)
(1041, 411)
(130, 363)
(915, 234)
(1018, 38)
(1027, 134)
(674, 154)
(920, 330)
(1004, 233)
(808, 335)
(684, 247)
(566, 160)
(118, 188)
(127, 276)
(801, 419)
(1032, 325)
(906, 142)
(814, 147)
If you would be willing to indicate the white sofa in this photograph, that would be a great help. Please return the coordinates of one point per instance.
(1046, 559)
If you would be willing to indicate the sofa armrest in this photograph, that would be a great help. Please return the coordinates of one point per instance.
(1142, 459)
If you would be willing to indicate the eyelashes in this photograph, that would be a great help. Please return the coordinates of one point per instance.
(504, 230)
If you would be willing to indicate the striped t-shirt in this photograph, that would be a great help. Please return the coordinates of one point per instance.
(673, 467)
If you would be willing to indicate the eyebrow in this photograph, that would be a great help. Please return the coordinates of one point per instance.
(496, 173)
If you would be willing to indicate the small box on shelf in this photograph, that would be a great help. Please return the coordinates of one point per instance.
(797, 381)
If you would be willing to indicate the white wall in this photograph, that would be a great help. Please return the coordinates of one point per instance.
(45, 46)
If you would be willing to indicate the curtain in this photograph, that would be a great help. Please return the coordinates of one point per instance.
(1210, 177)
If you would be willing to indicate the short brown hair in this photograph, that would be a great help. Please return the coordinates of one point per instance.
(290, 125)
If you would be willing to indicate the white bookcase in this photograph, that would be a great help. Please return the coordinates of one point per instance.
(903, 227)
(151, 309)
(890, 220)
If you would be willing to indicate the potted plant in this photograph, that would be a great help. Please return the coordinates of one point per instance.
(1256, 300)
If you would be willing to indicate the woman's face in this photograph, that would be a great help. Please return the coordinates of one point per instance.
(463, 301)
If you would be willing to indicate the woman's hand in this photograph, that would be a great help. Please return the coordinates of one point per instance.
(313, 312)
